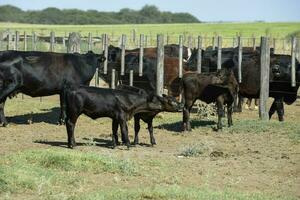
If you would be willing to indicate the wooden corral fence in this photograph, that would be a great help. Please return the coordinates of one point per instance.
(25, 41)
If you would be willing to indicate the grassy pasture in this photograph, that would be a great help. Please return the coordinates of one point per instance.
(209, 29)
(280, 31)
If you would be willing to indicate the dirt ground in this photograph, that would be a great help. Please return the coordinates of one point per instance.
(266, 161)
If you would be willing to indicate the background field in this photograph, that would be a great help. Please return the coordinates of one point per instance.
(223, 29)
(280, 34)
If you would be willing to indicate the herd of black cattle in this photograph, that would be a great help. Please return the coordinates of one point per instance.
(44, 73)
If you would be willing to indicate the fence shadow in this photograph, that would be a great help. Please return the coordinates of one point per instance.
(177, 126)
(50, 116)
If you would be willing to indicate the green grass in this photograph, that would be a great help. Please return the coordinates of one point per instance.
(173, 192)
(283, 30)
(224, 29)
(56, 168)
(193, 150)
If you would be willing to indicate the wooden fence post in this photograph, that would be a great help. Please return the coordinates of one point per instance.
(90, 42)
(264, 78)
(146, 41)
(133, 36)
(240, 58)
(190, 41)
(123, 46)
(180, 56)
(219, 52)
(253, 43)
(160, 65)
(113, 78)
(141, 55)
(34, 39)
(213, 43)
(25, 41)
(131, 77)
(234, 42)
(105, 46)
(52, 41)
(17, 38)
(199, 54)
(9, 38)
(168, 39)
(293, 67)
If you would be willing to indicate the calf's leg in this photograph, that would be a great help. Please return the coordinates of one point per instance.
(277, 105)
(150, 129)
(186, 116)
(136, 129)
(229, 114)
(124, 131)
(220, 110)
(62, 116)
(115, 126)
(70, 125)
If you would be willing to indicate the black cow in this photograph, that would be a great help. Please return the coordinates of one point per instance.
(169, 104)
(119, 105)
(220, 87)
(42, 73)
(280, 75)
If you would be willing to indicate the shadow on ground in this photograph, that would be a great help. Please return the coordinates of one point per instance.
(49, 116)
(177, 126)
(89, 142)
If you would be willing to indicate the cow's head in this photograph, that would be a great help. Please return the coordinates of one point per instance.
(164, 103)
(10, 77)
(95, 59)
(280, 68)
(222, 76)
(114, 54)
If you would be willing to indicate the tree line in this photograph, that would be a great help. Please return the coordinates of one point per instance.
(149, 14)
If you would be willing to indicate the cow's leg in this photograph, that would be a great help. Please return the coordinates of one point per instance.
(220, 110)
(150, 129)
(124, 131)
(239, 105)
(280, 109)
(115, 126)
(186, 119)
(229, 114)
(62, 116)
(70, 124)
(136, 129)
(248, 104)
(272, 109)
(235, 105)
(277, 105)
(3, 120)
